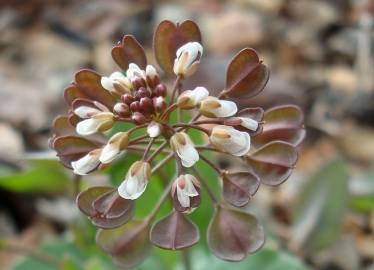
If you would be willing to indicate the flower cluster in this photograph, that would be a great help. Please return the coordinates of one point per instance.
(265, 143)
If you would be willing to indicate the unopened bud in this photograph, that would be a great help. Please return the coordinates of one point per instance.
(134, 106)
(152, 77)
(122, 109)
(160, 90)
(159, 104)
(146, 104)
(138, 118)
(142, 92)
(127, 99)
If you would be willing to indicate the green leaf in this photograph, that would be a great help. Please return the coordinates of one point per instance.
(319, 210)
(43, 176)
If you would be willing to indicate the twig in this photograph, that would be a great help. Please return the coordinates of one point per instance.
(175, 88)
(211, 164)
(162, 162)
(157, 151)
(186, 260)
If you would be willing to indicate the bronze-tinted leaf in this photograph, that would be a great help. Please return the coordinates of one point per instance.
(174, 231)
(129, 51)
(282, 123)
(62, 126)
(233, 234)
(105, 207)
(129, 244)
(239, 187)
(71, 148)
(169, 37)
(246, 75)
(273, 163)
(88, 85)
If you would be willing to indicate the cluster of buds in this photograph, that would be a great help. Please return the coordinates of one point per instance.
(88, 139)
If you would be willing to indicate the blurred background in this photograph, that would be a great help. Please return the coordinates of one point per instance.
(321, 58)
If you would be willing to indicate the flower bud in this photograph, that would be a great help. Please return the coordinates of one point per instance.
(181, 143)
(116, 83)
(189, 99)
(138, 118)
(135, 106)
(159, 104)
(154, 129)
(142, 92)
(136, 180)
(127, 99)
(146, 105)
(245, 122)
(113, 148)
(87, 163)
(186, 193)
(122, 109)
(213, 107)
(86, 111)
(99, 122)
(152, 76)
(230, 140)
(160, 90)
(188, 58)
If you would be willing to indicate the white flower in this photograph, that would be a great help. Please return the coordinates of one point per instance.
(86, 111)
(99, 122)
(154, 129)
(181, 143)
(136, 181)
(185, 188)
(114, 147)
(249, 123)
(230, 140)
(150, 71)
(188, 58)
(87, 163)
(191, 98)
(135, 72)
(117, 83)
(214, 107)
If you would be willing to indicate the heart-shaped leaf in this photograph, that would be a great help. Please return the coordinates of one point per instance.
(239, 187)
(273, 163)
(246, 75)
(129, 51)
(62, 126)
(129, 244)
(71, 148)
(175, 231)
(282, 123)
(233, 234)
(105, 207)
(88, 85)
(168, 37)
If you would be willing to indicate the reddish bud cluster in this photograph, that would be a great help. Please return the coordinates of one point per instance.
(143, 103)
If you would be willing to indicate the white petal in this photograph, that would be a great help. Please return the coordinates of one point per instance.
(227, 109)
(238, 143)
(117, 76)
(109, 153)
(132, 188)
(85, 164)
(86, 111)
(107, 83)
(183, 198)
(151, 71)
(188, 155)
(249, 123)
(189, 188)
(199, 93)
(153, 130)
(88, 126)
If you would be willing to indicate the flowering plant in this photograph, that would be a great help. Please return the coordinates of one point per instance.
(264, 141)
